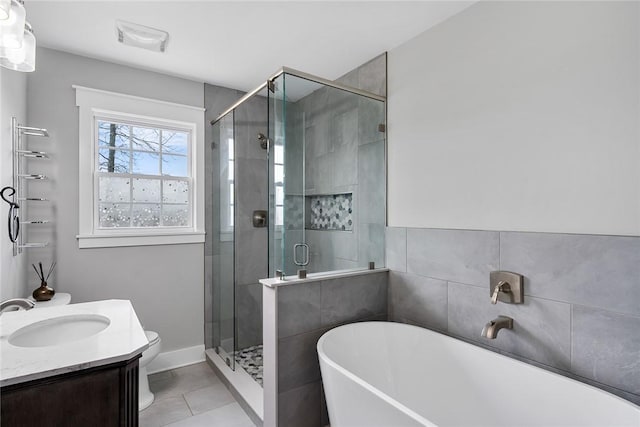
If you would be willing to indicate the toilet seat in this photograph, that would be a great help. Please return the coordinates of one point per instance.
(152, 336)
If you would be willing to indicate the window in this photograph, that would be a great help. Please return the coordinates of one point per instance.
(227, 173)
(143, 176)
(141, 171)
(278, 171)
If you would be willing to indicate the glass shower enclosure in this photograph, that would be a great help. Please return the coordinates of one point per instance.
(302, 190)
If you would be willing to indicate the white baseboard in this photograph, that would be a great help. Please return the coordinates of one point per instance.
(176, 359)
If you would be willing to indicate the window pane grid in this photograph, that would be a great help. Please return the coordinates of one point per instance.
(137, 150)
(151, 203)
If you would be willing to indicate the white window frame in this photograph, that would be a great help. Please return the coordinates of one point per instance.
(97, 104)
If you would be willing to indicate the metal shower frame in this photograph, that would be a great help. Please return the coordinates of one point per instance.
(302, 75)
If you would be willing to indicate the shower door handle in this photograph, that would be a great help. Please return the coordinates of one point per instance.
(305, 247)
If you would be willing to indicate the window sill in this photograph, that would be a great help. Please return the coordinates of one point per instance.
(112, 241)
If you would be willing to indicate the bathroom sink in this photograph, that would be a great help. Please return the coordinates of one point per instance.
(59, 330)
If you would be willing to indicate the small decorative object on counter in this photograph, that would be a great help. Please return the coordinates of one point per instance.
(44, 292)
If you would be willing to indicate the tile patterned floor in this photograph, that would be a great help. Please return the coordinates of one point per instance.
(251, 361)
(192, 396)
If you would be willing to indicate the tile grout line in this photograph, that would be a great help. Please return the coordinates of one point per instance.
(406, 250)
(571, 337)
(188, 406)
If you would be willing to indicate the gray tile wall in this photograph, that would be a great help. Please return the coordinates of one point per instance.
(581, 316)
(305, 312)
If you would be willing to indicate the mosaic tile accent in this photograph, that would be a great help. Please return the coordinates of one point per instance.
(250, 359)
(332, 212)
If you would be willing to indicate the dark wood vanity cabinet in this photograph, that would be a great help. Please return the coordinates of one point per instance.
(100, 396)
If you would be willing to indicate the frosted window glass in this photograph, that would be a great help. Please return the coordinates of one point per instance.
(114, 189)
(145, 215)
(115, 161)
(113, 215)
(145, 139)
(175, 215)
(146, 190)
(145, 163)
(175, 191)
(175, 142)
(175, 166)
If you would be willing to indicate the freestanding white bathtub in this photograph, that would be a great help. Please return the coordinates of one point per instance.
(392, 375)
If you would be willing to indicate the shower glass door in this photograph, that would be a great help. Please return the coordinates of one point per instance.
(224, 259)
(327, 177)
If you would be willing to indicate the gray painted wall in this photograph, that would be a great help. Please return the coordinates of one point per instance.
(527, 111)
(581, 315)
(13, 97)
(164, 283)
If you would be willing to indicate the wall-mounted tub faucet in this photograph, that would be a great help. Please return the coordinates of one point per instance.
(491, 329)
(17, 302)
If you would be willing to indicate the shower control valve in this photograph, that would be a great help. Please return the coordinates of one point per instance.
(507, 287)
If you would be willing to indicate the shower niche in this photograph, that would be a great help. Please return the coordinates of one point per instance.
(331, 212)
(311, 153)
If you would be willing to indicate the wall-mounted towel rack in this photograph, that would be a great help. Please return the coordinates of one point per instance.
(20, 154)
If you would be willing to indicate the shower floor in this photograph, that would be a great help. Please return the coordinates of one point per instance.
(250, 359)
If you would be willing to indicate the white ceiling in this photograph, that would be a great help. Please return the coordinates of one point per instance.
(239, 44)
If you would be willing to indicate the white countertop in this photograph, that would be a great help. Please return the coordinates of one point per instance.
(123, 339)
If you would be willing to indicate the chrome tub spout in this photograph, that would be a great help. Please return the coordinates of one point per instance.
(491, 329)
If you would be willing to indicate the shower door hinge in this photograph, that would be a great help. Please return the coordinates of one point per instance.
(271, 85)
(382, 128)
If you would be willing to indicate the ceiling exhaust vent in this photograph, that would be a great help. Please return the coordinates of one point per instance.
(140, 36)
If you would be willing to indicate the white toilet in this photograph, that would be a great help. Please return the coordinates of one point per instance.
(145, 397)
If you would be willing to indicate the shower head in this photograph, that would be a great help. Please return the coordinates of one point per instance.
(264, 141)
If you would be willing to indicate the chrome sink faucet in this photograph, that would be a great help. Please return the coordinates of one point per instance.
(491, 329)
(17, 302)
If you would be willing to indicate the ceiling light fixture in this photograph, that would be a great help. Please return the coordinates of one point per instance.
(23, 58)
(5, 7)
(140, 36)
(12, 28)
